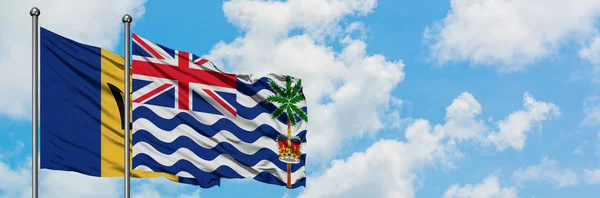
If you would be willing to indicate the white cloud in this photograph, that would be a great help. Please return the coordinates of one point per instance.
(13, 181)
(71, 184)
(547, 171)
(591, 109)
(591, 53)
(489, 188)
(514, 128)
(275, 18)
(396, 161)
(393, 118)
(511, 33)
(195, 194)
(161, 187)
(348, 91)
(16, 182)
(461, 123)
(357, 27)
(92, 22)
(592, 176)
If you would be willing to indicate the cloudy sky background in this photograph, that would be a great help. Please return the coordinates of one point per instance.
(436, 98)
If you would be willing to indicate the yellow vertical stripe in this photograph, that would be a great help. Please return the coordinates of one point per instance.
(112, 157)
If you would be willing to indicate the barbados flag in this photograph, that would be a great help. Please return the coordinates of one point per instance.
(81, 108)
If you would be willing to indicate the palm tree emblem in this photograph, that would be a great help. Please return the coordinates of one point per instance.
(288, 98)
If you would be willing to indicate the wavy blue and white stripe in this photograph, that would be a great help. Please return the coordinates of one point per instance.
(200, 148)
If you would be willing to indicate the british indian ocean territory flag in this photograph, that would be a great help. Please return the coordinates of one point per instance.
(199, 124)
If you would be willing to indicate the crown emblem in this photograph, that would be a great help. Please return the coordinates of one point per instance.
(289, 148)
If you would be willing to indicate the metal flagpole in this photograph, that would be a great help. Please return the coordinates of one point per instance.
(35, 13)
(127, 22)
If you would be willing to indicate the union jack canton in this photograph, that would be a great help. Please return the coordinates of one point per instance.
(180, 69)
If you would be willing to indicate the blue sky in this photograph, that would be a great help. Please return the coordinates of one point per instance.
(433, 98)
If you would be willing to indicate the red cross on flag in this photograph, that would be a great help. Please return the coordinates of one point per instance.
(166, 70)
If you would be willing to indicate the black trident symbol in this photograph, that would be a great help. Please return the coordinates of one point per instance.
(117, 94)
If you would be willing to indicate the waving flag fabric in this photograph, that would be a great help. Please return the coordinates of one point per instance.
(81, 107)
(199, 124)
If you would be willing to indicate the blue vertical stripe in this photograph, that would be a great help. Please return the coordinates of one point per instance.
(69, 105)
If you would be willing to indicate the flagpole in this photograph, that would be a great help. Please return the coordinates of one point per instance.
(35, 13)
(289, 166)
(127, 22)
